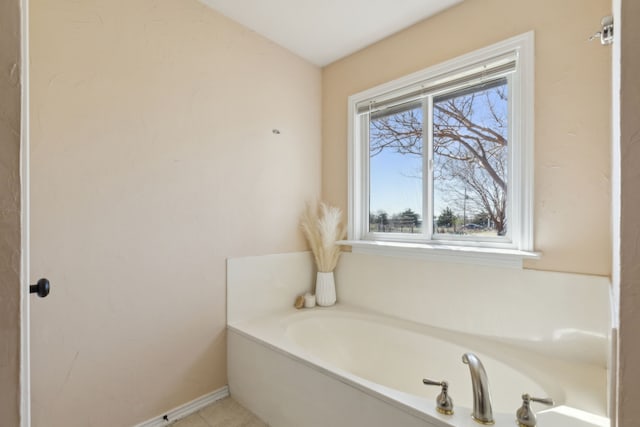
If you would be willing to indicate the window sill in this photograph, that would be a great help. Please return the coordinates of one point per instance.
(445, 253)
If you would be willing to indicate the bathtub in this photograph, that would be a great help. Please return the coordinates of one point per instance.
(346, 366)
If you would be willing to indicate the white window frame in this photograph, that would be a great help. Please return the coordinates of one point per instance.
(508, 252)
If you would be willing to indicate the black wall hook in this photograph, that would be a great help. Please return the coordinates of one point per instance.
(41, 288)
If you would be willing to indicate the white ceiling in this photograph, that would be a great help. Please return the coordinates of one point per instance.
(322, 31)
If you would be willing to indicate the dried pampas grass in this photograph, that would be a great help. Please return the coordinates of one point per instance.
(323, 227)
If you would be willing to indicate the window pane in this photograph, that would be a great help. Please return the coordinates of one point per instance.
(395, 169)
(470, 155)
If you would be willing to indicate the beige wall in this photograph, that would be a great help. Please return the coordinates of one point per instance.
(572, 112)
(153, 159)
(9, 213)
(629, 346)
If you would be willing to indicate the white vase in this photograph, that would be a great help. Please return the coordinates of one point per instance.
(325, 289)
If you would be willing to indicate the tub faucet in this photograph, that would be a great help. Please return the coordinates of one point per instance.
(482, 412)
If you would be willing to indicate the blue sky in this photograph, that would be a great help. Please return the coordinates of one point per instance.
(396, 182)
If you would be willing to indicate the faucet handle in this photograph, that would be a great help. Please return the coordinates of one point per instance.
(444, 403)
(525, 416)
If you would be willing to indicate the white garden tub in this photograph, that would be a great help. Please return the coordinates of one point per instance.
(342, 366)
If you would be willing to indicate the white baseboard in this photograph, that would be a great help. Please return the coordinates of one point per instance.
(185, 410)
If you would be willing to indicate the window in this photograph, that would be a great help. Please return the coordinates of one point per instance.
(443, 158)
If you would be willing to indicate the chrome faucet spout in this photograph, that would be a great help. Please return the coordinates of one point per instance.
(482, 411)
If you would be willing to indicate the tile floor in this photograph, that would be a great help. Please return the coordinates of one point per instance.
(223, 413)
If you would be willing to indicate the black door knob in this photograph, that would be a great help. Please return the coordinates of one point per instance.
(41, 288)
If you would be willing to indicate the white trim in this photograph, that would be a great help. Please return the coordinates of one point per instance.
(511, 258)
(187, 409)
(353, 169)
(521, 155)
(25, 355)
(523, 206)
(616, 206)
(427, 172)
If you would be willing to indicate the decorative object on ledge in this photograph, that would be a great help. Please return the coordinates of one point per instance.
(299, 302)
(309, 300)
(325, 289)
(323, 227)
